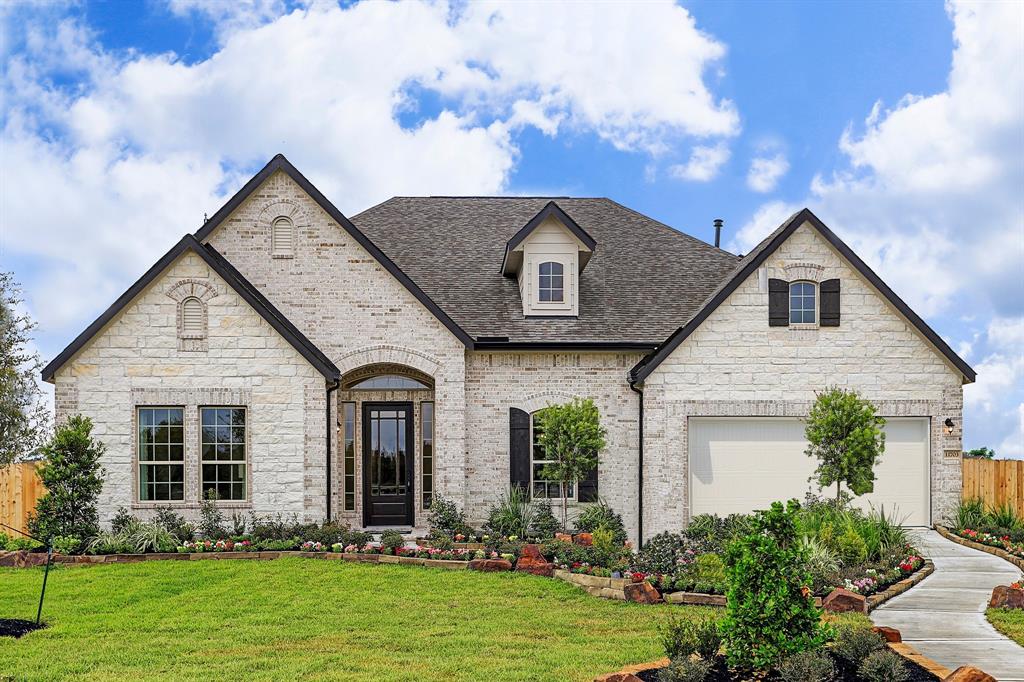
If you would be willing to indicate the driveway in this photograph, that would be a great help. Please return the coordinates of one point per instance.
(944, 616)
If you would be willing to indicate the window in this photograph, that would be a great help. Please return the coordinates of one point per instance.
(222, 448)
(348, 439)
(281, 236)
(389, 382)
(192, 318)
(543, 489)
(802, 308)
(549, 287)
(427, 438)
(161, 454)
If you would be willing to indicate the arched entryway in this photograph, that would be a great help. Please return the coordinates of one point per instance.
(385, 438)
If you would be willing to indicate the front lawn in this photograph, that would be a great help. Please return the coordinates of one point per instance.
(317, 619)
(1010, 622)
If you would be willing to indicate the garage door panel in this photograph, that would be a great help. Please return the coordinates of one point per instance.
(741, 464)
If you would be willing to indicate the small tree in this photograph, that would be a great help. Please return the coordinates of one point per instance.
(845, 435)
(571, 435)
(24, 417)
(73, 477)
(981, 453)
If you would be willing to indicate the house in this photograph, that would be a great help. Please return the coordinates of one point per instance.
(299, 361)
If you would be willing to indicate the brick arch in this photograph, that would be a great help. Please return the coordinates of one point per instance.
(189, 287)
(284, 208)
(810, 272)
(539, 401)
(387, 354)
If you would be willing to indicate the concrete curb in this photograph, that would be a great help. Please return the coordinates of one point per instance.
(900, 587)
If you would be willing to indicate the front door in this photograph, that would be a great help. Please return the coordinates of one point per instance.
(387, 464)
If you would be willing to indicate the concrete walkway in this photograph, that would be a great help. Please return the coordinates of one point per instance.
(943, 617)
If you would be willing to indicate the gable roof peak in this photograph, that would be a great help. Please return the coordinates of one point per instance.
(551, 209)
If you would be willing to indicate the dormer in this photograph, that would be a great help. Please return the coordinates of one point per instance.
(547, 256)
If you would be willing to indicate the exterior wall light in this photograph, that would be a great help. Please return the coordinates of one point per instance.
(949, 426)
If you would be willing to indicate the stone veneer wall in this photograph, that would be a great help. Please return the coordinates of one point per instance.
(356, 312)
(736, 365)
(497, 381)
(136, 361)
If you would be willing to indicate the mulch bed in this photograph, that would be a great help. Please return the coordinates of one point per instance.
(721, 674)
(15, 627)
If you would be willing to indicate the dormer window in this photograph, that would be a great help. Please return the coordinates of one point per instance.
(803, 307)
(550, 288)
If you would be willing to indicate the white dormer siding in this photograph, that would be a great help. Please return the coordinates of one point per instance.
(551, 242)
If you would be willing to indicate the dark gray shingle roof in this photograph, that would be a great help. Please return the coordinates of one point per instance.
(644, 280)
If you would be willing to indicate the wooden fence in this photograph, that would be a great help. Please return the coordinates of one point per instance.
(997, 482)
(19, 490)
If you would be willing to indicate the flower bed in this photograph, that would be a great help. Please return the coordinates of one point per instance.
(981, 547)
(1001, 542)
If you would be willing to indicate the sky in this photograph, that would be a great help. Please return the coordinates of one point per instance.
(901, 125)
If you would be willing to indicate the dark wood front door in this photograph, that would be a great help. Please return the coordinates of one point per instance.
(387, 464)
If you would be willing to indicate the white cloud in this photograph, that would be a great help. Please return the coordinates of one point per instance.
(767, 218)
(704, 164)
(120, 153)
(766, 171)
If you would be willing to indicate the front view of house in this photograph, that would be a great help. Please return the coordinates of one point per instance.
(297, 361)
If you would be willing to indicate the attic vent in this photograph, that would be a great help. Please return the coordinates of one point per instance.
(282, 237)
(192, 318)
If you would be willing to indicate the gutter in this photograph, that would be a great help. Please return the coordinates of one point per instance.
(331, 387)
(491, 343)
(640, 472)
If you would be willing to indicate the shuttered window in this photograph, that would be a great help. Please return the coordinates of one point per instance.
(282, 235)
(192, 317)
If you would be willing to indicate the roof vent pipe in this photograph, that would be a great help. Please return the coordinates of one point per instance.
(718, 232)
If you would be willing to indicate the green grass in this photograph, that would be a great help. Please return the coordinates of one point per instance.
(317, 620)
(1010, 622)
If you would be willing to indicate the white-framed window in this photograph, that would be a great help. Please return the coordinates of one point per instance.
(282, 234)
(222, 448)
(161, 434)
(803, 303)
(427, 452)
(550, 282)
(541, 488)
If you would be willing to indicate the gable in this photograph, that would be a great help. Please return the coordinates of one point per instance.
(280, 164)
(813, 240)
(205, 264)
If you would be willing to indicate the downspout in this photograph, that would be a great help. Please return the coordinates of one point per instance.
(640, 474)
(330, 389)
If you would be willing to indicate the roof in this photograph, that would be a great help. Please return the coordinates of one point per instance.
(749, 263)
(280, 163)
(241, 286)
(551, 210)
(643, 278)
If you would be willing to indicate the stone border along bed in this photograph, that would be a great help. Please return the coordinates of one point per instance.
(995, 551)
(606, 588)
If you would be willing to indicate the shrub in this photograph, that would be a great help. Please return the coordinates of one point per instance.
(122, 518)
(174, 523)
(327, 533)
(821, 562)
(660, 554)
(709, 574)
(685, 670)
(445, 518)
(150, 537)
(211, 519)
(359, 538)
(681, 638)
(73, 478)
(442, 542)
(512, 515)
(237, 524)
(851, 548)
(883, 666)
(273, 528)
(600, 515)
(391, 539)
(768, 615)
(969, 514)
(545, 525)
(1003, 516)
(808, 666)
(66, 545)
(23, 544)
(854, 644)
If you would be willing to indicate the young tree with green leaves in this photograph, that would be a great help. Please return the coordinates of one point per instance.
(845, 435)
(571, 435)
(981, 453)
(73, 477)
(24, 417)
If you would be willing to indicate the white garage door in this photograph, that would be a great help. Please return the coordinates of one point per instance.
(741, 464)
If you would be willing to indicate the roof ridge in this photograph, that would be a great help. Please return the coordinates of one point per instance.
(668, 227)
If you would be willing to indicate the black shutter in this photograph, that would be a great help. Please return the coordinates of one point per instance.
(588, 487)
(778, 303)
(519, 448)
(829, 314)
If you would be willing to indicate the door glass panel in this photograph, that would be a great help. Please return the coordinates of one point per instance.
(388, 451)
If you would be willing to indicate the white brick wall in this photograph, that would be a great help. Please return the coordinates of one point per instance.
(135, 361)
(735, 364)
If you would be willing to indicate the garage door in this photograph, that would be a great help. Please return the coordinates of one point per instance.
(741, 464)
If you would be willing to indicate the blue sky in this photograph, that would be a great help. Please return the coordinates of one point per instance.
(900, 124)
